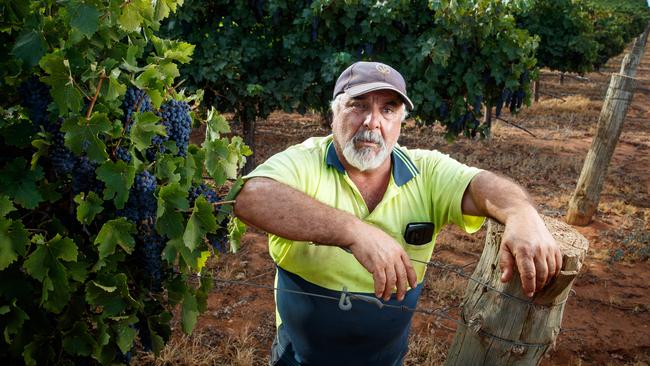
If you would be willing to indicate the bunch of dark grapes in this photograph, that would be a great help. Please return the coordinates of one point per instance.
(149, 248)
(218, 240)
(62, 159)
(122, 153)
(177, 121)
(513, 99)
(84, 178)
(135, 100)
(202, 190)
(141, 204)
(35, 97)
(504, 98)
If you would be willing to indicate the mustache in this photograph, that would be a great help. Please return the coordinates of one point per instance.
(367, 136)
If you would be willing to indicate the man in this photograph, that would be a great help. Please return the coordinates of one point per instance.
(359, 191)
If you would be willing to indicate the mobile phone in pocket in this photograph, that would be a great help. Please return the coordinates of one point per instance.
(419, 233)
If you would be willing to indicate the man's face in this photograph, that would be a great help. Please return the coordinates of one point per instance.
(366, 127)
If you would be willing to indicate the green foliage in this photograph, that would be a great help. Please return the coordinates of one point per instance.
(76, 287)
(455, 55)
(582, 35)
(616, 23)
(566, 34)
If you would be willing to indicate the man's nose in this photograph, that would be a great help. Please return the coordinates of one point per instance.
(373, 119)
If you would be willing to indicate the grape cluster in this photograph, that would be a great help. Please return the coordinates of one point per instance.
(219, 240)
(513, 99)
(122, 153)
(202, 190)
(149, 247)
(35, 97)
(84, 178)
(62, 159)
(141, 204)
(177, 121)
(135, 100)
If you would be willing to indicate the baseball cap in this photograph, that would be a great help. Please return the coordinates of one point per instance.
(363, 77)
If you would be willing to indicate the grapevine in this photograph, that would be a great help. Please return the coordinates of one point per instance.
(101, 235)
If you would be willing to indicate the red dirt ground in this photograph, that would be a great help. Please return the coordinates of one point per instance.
(606, 319)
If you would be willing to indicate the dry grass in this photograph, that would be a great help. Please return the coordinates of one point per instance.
(425, 348)
(445, 288)
(205, 347)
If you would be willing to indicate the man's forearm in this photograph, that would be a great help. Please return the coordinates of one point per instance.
(281, 210)
(494, 196)
(526, 242)
(286, 212)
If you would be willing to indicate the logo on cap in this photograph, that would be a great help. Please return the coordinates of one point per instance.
(383, 69)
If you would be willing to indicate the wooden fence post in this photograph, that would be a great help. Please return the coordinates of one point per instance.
(584, 202)
(509, 328)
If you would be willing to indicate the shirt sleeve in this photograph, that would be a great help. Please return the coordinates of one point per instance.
(447, 181)
(291, 167)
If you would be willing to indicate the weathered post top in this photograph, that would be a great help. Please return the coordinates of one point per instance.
(505, 327)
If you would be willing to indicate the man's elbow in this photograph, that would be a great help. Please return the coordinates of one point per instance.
(250, 196)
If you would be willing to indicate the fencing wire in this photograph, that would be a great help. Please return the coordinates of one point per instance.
(441, 313)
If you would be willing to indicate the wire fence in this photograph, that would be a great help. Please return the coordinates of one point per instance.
(346, 299)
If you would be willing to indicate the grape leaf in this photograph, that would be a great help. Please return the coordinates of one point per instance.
(190, 312)
(163, 8)
(188, 258)
(82, 135)
(159, 330)
(173, 50)
(189, 172)
(201, 222)
(113, 233)
(6, 206)
(118, 178)
(216, 125)
(85, 18)
(236, 230)
(125, 333)
(167, 166)
(145, 127)
(204, 291)
(105, 355)
(216, 153)
(66, 96)
(88, 206)
(14, 321)
(42, 147)
(131, 19)
(19, 182)
(13, 241)
(30, 47)
(110, 292)
(171, 198)
(115, 88)
(78, 340)
(44, 265)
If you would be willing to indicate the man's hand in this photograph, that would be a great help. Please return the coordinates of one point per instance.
(382, 256)
(528, 244)
(284, 211)
(526, 241)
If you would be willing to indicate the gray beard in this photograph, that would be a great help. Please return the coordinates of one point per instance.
(365, 158)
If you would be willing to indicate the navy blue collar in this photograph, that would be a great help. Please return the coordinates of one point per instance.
(403, 168)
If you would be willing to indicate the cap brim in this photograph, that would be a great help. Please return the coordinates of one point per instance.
(357, 90)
